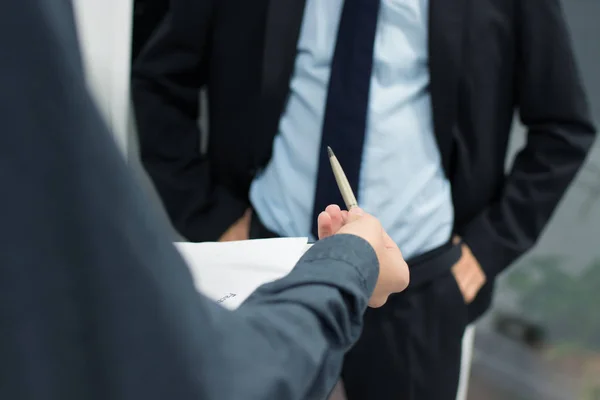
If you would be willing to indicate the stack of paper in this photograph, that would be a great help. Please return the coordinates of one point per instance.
(229, 272)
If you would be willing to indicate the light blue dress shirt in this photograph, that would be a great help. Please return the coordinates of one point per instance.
(402, 181)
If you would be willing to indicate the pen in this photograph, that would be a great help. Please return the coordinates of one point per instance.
(342, 181)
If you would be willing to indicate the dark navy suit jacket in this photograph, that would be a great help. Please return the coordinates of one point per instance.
(95, 302)
(488, 60)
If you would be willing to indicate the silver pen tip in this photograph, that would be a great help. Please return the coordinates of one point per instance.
(330, 152)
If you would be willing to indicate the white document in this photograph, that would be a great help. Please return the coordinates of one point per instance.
(228, 272)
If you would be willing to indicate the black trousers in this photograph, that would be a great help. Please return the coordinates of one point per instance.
(410, 348)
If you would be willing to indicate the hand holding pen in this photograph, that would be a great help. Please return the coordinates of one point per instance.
(394, 275)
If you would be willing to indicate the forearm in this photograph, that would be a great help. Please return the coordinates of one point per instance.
(199, 209)
(288, 339)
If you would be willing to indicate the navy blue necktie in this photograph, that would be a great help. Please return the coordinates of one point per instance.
(347, 100)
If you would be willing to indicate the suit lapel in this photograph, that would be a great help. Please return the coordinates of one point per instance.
(446, 30)
(283, 22)
(284, 18)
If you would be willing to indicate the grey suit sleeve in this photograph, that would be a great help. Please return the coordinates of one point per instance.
(288, 339)
(95, 302)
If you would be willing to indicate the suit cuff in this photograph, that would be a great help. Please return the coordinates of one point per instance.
(493, 253)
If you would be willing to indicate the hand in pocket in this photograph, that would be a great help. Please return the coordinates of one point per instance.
(468, 274)
(240, 230)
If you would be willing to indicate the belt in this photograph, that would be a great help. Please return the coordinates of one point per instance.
(423, 268)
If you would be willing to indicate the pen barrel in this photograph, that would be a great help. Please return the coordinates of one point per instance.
(343, 184)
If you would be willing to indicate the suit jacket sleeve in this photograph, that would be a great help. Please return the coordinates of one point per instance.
(299, 327)
(166, 81)
(95, 302)
(552, 104)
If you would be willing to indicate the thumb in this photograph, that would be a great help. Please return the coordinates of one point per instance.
(354, 214)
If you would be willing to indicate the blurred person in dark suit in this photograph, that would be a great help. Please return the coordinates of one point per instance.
(417, 99)
(96, 303)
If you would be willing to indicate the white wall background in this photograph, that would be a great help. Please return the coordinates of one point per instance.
(104, 28)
